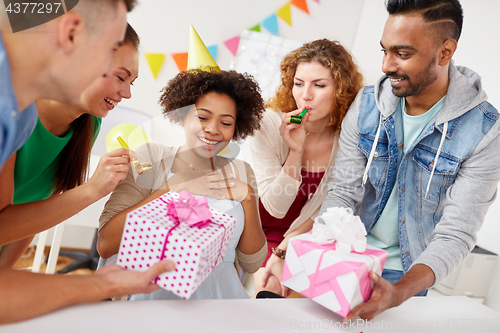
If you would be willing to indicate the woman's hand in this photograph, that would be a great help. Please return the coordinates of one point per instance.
(237, 190)
(293, 134)
(274, 268)
(111, 171)
(210, 183)
(231, 188)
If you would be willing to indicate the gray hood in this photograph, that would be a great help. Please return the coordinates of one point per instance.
(465, 91)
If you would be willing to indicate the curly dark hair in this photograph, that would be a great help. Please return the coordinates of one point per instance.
(188, 86)
(348, 80)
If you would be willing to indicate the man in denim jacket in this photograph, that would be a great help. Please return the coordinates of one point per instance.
(419, 156)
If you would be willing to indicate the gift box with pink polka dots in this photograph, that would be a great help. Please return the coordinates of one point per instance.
(150, 235)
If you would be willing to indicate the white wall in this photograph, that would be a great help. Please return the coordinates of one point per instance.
(164, 27)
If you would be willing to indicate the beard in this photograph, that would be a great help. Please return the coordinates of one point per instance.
(415, 86)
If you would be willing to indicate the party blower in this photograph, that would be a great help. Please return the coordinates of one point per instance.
(139, 167)
(298, 119)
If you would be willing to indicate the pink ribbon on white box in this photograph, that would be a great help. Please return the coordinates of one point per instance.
(191, 211)
(322, 280)
(340, 269)
(324, 260)
(339, 226)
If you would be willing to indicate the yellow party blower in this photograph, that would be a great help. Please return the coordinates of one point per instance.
(139, 167)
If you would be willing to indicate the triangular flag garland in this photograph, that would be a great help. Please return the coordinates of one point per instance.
(155, 61)
(213, 50)
(181, 59)
(232, 44)
(270, 23)
(255, 28)
(301, 4)
(285, 14)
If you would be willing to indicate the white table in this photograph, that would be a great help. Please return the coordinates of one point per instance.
(431, 314)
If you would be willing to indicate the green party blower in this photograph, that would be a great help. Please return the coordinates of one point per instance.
(298, 119)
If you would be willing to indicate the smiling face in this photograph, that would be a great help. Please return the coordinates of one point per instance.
(107, 91)
(210, 124)
(410, 55)
(314, 88)
(91, 56)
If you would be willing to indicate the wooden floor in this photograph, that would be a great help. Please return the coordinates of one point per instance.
(27, 261)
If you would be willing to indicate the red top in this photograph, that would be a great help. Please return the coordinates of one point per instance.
(275, 228)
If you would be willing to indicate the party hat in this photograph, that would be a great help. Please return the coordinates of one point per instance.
(199, 56)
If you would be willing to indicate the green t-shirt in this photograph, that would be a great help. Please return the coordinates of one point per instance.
(384, 234)
(34, 172)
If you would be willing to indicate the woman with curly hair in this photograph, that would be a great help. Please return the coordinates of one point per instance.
(292, 161)
(214, 107)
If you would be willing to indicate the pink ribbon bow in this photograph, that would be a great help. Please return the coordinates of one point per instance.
(192, 211)
(189, 210)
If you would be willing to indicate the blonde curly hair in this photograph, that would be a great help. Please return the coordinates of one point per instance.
(331, 54)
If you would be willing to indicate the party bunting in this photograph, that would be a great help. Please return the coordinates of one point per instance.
(213, 50)
(301, 4)
(232, 44)
(181, 59)
(271, 24)
(285, 14)
(255, 28)
(155, 61)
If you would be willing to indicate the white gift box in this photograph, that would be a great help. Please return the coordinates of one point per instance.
(150, 235)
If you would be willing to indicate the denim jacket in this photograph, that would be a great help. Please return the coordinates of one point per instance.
(446, 180)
